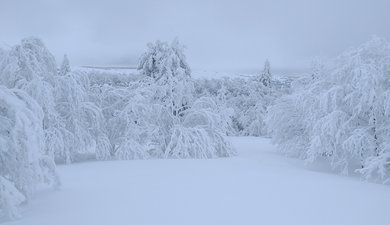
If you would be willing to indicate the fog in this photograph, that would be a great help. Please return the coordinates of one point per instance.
(218, 34)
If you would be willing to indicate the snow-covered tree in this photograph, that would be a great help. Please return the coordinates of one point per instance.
(143, 122)
(287, 124)
(255, 103)
(265, 76)
(163, 61)
(84, 121)
(170, 89)
(27, 61)
(31, 67)
(65, 66)
(318, 67)
(352, 106)
(43, 93)
(23, 163)
(72, 124)
(342, 116)
(166, 65)
(245, 100)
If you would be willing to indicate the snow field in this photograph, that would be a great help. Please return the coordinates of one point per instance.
(259, 186)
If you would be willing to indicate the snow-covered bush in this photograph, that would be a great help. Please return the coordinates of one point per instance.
(83, 120)
(198, 142)
(341, 114)
(142, 122)
(117, 104)
(23, 163)
(246, 100)
(202, 133)
(253, 120)
(288, 125)
(205, 111)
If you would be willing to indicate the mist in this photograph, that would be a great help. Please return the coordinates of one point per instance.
(218, 34)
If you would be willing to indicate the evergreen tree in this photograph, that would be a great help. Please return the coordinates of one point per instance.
(65, 66)
(265, 76)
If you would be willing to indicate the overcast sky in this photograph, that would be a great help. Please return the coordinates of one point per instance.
(219, 34)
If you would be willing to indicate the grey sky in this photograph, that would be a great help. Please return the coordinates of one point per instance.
(219, 34)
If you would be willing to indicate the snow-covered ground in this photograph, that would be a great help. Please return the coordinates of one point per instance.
(257, 187)
(196, 73)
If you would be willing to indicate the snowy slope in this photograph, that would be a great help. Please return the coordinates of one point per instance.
(257, 187)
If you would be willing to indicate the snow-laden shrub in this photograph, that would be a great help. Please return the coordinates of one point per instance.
(22, 161)
(110, 98)
(377, 166)
(261, 95)
(252, 119)
(43, 93)
(121, 107)
(207, 112)
(288, 125)
(10, 199)
(103, 147)
(141, 121)
(244, 100)
(82, 118)
(197, 142)
(202, 134)
(131, 149)
(341, 112)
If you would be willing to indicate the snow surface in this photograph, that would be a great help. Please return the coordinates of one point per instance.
(257, 187)
(197, 73)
